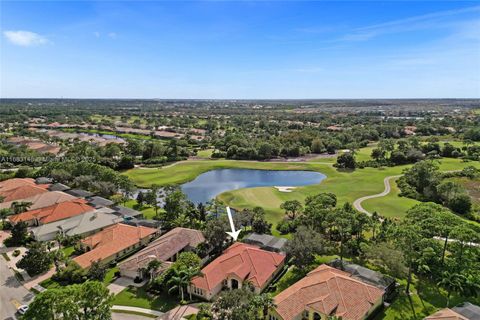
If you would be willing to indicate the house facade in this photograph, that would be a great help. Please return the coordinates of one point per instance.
(113, 243)
(239, 266)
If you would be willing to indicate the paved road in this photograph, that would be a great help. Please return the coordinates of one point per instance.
(357, 204)
(12, 293)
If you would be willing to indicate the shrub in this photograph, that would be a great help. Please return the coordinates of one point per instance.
(286, 226)
(16, 253)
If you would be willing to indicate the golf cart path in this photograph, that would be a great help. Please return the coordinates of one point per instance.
(357, 204)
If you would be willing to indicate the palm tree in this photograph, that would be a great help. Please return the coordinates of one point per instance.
(375, 220)
(189, 274)
(59, 237)
(178, 282)
(182, 279)
(264, 302)
(58, 256)
(153, 267)
(19, 207)
(451, 282)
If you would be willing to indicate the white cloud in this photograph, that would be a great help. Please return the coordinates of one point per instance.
(434, 20)
(112, 35)
(96, 34)
(25, 38)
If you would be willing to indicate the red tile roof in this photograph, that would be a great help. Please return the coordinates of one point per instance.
(328, 291)
(110, 241)
(55, 212)
(15, 183)
(22, 192)
(245, 261)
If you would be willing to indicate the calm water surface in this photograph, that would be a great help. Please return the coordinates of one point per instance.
(210, 184)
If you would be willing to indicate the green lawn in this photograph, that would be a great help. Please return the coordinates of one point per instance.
(147, 211)
(205, 154)
(109, 276)
(138, 297)
(392, 205)
(68, 251)
(425, 299)
(347, 185)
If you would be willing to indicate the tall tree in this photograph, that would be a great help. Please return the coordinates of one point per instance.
(303, 247)
(292, 208)
(36, 260)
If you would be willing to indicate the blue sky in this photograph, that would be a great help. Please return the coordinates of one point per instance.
(245, 49)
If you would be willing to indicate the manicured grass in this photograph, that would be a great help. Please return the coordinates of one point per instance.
(392, 205)
(147, 211)
(347, 185)
(185, 171)
(68, 251)
(205, 154)
(139, 297)
(109, 276)
(425, 299)
(50, 284)
(289, 278)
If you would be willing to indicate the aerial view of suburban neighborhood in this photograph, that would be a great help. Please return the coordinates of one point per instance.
(239, 160)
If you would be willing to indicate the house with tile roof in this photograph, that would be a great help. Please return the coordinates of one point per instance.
(42, 200)
(324, 292)
(165, 249)
(240, 265)
(15, 183)
(464, 311)
(113, 243)
(59, 211)
(83, 224)
(21, 192)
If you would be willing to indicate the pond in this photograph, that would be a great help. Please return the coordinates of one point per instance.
(210, 184)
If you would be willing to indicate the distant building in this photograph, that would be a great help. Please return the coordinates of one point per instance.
(240, 265)
(266, 242)
(41, 200)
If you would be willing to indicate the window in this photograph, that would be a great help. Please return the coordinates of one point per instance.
(197, 291)
(272, 317)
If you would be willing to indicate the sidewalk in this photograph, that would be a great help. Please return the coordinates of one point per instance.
(139, 310)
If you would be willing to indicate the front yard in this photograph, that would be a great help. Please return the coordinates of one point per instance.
(140, 298)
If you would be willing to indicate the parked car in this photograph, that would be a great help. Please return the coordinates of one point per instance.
(22, 309)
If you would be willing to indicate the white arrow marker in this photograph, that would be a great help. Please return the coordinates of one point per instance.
(234, 234)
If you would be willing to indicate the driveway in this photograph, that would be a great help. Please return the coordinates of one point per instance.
(121, 284)
(12, 293)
